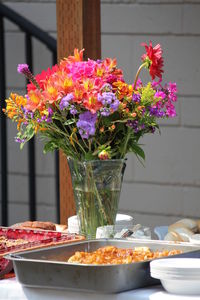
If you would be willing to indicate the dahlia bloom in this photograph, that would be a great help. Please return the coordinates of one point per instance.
(154, 60)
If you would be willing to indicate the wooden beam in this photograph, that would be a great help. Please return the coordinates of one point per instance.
(78, 26)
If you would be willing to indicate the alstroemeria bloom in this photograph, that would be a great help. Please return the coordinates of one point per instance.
(154, 59)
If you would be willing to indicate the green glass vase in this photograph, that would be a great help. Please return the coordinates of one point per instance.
(97, 187)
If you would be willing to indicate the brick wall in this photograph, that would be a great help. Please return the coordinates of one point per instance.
(168, 187)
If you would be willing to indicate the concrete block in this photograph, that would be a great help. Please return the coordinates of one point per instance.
(118, 1)
(41, 14)
(18, 189)
(42, 57)
(161, 2)
(190, 202)
(17, 159)
(45, 190)
(140, 19)
(45, 163)
(151, 198)
(46, 213)
(190, 18)
(10, 26)
(120, 47)
(172, 157)
(14, 56)
(18, 213)
(190, 107)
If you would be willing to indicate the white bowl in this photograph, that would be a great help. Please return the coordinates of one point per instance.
(178, 275)
(181, 286)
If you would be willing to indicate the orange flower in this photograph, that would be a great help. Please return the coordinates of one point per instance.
(78, 56)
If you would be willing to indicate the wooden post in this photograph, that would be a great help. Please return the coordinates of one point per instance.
(78, 26)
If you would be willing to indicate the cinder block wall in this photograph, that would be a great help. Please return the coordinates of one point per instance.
(168, 187)
(43, 14)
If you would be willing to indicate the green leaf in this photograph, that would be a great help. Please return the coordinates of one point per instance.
(69, 122)
(49, 146)
(137, 150)
(89, 156)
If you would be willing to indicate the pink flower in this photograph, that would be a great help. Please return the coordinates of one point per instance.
(160, 94)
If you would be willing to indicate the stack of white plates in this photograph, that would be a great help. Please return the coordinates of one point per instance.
(122, 221)
(178, 275)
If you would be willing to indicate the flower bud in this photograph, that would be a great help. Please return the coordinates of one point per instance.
(103, 155)
(133, 114)
(112, 127)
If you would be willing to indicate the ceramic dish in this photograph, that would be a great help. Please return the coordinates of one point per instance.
(178, 275)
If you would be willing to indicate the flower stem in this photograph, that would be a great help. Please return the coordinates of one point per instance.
(126, 142)
(138, 73)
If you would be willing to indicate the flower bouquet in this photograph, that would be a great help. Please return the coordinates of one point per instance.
(87, 109)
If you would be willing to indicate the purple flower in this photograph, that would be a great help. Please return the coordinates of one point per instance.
(86, 124)
(73, 110)
(154, 111)
(110, 103)
(105, 111)
(23, 69)
(136, 98)
(65, 101)
(50, 111)
(18, 140)
(48, 120)
(133, 124)
(152, 129)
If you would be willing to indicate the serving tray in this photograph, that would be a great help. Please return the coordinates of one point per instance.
(35, 239)
(49, 267)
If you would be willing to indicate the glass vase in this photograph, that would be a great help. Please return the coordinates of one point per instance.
(97, 187)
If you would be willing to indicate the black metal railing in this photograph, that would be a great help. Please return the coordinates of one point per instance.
(30, 31)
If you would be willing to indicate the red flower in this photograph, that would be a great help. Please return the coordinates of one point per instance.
(41, 78)
(154, 59)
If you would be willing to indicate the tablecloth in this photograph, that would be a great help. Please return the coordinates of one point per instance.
(10, 289)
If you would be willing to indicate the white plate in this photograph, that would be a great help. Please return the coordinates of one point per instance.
(178, 275)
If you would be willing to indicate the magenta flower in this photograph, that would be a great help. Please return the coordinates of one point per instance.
(160, 94)
(23, 69)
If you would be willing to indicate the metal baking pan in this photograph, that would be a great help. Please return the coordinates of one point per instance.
(49, 267)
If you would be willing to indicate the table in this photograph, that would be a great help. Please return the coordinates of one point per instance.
(10, 289)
